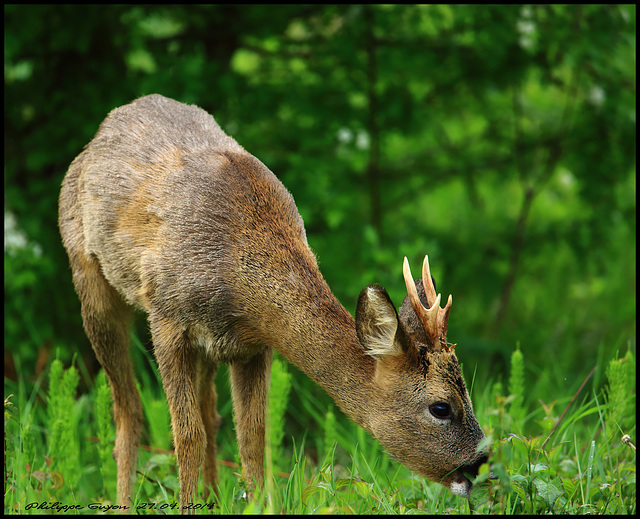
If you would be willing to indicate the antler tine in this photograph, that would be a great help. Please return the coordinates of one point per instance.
(427, 282)
(411, 290)
(443, 319)
(434, 320)
(430, 291)
(428, 317)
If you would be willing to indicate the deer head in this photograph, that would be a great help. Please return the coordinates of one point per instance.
(424, 415)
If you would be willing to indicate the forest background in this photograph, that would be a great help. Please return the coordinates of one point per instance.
(499, 140)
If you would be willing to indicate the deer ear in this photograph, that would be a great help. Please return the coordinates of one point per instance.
(377, 322)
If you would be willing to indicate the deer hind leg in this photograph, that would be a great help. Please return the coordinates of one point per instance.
(106, 319)
(178, 363)
(249, 385)
(211, 421)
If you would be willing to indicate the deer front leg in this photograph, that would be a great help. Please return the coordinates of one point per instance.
(178, 366)
(249, 386)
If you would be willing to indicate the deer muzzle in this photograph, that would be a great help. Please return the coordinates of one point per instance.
(460, 484)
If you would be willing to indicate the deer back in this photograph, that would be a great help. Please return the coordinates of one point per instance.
(184, 221)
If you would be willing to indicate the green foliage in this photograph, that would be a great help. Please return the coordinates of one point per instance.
(575, 471)
(516, 386)
(63, 446)
(278, 400)
(105, 429)
(621, 397)
(499, 140)
(29, 444)
(25, 264)
(329, 424)
(157, 414)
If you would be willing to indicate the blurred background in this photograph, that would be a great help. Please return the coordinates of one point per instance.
(499, 140)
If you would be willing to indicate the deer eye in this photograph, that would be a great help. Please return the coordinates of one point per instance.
(440, 410)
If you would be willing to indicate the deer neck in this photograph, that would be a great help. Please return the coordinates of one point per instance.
(313, 331)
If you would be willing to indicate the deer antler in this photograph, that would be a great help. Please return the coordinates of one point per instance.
(434, 319)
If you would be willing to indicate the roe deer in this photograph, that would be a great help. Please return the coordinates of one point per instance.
(163, 212)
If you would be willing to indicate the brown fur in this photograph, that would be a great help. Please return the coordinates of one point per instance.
(164, 213)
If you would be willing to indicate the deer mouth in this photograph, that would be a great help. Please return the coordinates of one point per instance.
(461, 483)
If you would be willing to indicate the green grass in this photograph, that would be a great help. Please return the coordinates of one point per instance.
(561, 457)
